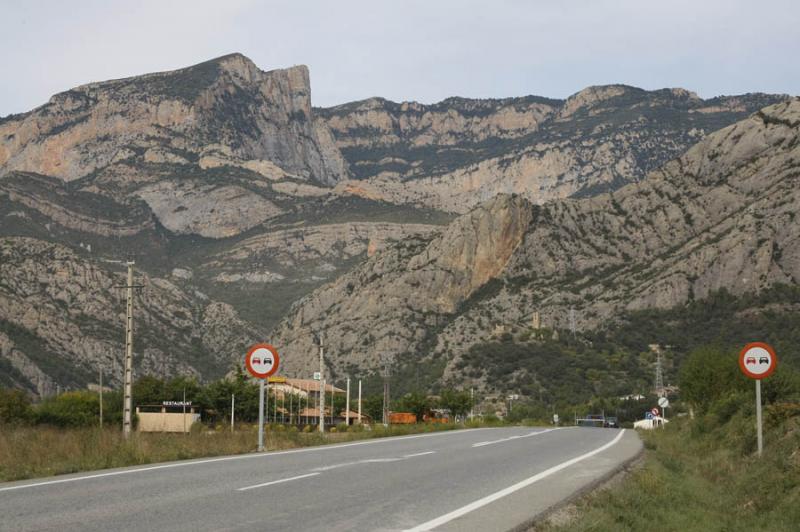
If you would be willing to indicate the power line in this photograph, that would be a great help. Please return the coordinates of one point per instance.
(659, 384)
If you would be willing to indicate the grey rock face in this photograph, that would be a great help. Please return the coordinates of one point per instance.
(259, 115)
(63, 319)
(720, 216)
(458, 153)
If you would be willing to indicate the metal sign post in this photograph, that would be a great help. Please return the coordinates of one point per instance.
(262, 360)
(758, 417)
(347, 405)
(663, 402)
(260, 415)
(757, 360)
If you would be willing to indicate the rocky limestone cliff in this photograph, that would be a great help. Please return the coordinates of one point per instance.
(458, 153)
(62, 318)
(189, 134)
(720, 216)
(387, 302)
(229, 101)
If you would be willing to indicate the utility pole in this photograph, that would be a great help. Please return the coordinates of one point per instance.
(347, 405)
(101, 397)
(387, 359)
(359, 401)
(322, 386)
(127, 403)
(471, 402)
(184, 409)
(233, 401)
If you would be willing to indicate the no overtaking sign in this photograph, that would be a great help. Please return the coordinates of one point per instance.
(262, 361)
(757, 360)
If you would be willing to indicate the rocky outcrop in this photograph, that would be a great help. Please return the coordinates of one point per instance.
(318, 247)
(63, 316)
(413, 280)
(458, 153)
(453, 121)
(720, 216)
(79, 211)
(29, 375)
(200, 145)
(207, 210)
(229, 101)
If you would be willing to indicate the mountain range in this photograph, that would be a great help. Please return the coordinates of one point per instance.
(397, 229)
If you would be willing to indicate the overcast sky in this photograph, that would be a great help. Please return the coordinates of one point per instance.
(410, 50)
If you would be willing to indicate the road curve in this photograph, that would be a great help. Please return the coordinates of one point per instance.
(481, 479)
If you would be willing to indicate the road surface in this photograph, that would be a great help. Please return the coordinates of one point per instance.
(480, 479)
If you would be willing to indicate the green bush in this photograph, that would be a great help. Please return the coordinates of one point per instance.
(15, 407)
(71, 409)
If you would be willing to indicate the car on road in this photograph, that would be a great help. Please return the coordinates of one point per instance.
(611, 423)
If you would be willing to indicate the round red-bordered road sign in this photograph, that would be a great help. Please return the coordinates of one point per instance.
(262, 360)
(757, 360)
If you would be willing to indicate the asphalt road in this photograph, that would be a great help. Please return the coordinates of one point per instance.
(482, 479)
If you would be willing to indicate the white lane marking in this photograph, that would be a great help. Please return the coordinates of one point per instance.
(334, 466)
(372, 461)
(237, 457)
(439, 521)
(483, 443)
(277, 481)
(419, 454)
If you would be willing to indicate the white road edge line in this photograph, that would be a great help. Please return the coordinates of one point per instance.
(236, 457)
(277, 481)
(484, 443)
(439, 521)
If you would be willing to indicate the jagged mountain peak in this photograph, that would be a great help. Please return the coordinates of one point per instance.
(260, 118)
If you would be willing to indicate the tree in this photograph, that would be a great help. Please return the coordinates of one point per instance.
(15, 406)
(458, 402)
(148, 390)
(415, 402)
(373, 407)
(709, 373)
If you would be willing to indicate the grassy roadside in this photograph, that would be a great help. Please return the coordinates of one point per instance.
(39, 451)
(703, 475)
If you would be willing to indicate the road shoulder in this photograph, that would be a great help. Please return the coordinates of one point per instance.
(521, 509)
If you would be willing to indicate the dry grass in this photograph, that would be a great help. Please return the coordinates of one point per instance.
(38, 451)
(708, 480)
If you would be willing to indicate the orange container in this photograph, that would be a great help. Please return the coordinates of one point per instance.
(402, 418)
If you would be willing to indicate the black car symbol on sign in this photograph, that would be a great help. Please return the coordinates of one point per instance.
(763, 360)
